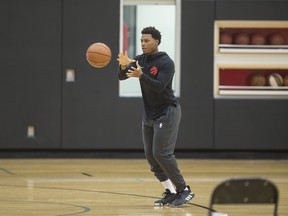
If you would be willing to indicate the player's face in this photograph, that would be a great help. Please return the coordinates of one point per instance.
(149, 44)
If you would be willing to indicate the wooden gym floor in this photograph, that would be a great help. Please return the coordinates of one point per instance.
(62, 187)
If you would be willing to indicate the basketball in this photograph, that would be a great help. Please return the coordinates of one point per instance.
(285, 80)
(257, 80)
(225, 38)
(242, 38)
(258, 39)
(275, 79)
(276, 39)
(98, 55)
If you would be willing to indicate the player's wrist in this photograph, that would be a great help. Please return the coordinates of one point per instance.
(123, 67)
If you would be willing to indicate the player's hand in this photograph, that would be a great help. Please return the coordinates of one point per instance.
(135, 72)
(124, 60)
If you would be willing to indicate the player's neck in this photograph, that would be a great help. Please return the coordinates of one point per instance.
(153, 52)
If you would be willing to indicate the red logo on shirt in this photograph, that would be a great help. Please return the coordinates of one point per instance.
(153, 70)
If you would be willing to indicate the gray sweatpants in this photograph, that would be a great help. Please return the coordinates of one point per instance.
(159, 138)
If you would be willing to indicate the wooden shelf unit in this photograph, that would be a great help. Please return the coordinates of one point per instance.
(235, 64)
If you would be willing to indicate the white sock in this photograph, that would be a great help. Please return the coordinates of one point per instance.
(168, 185)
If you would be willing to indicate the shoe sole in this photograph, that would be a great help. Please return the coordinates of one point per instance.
(158, 204)
(161, 204)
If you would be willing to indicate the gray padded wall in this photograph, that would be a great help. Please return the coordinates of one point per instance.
(94, 117)
(196, 131)
(253, 124)
(30, 69)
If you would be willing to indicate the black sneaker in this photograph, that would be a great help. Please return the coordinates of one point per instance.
(183, 197)
(167, 199)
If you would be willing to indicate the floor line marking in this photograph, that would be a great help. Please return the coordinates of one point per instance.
(117, 180)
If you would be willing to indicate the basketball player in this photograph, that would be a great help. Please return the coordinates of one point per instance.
(161, 117)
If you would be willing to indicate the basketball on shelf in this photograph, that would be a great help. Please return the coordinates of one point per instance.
(226, 38)
(257, 80)
(275, 79)
(98, 55)
(276, 39)
(258, 39)
(285, 80)
(242, 38)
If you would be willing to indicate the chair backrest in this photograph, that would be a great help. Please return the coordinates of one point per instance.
(245, 191)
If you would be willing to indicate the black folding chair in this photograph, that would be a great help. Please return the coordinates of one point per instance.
(245, 191)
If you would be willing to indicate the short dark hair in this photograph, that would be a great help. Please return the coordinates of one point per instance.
(153, 31)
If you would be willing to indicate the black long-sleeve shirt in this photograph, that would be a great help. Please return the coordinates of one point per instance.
(155, 82)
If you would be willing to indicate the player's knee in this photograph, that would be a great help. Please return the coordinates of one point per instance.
(160, 156)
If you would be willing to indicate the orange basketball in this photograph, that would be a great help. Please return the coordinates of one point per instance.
(242, 38)
(285, 80)
(98, 55)
(257, 80)
(226, 38)
(258, 39)
(276, 39)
